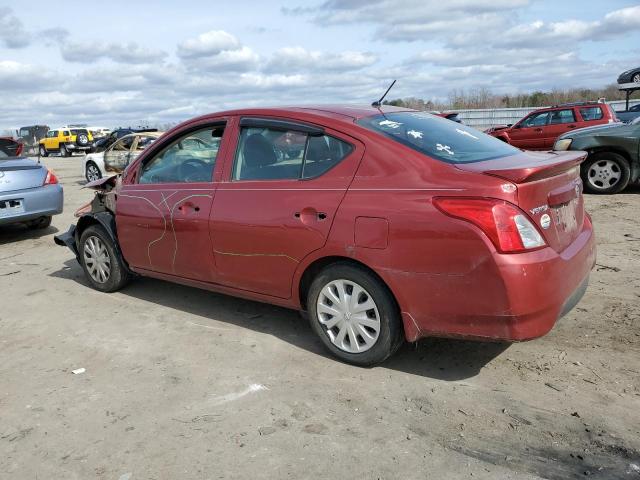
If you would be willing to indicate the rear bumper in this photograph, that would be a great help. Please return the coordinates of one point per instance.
(507, 298)
(38, 202)
(78, 148)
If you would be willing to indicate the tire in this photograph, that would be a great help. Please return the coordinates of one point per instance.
(605, 173)
(40, 223)
(92, 172)
(636, 77)
(109, 273)
(43, 151)
(383, 315)
(63, 151)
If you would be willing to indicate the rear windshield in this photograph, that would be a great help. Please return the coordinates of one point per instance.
(438, 137)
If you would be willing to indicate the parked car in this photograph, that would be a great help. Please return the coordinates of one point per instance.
(629, 115)
(29, 192)
(99, 132)
(390, 224)
(117, 156)
(614, 155)
(10, 147)
(30, 137)
(630, 76)
(65, 141)
(539, 129)
(102, 144)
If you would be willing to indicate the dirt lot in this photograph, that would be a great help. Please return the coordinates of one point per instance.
(182, 383)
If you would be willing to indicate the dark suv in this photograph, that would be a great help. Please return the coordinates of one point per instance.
(539, 129)
(102, 144)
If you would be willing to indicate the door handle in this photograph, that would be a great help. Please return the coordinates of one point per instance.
(310, 212)
(537, 130)
(571, 126)
(188, 206)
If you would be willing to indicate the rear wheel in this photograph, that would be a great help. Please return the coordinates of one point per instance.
(43, 151)
(636, 78)
(102, 265)
(63, 151)
(606, 173)
(354, 314)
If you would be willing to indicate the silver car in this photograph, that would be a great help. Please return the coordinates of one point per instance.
(29, 192)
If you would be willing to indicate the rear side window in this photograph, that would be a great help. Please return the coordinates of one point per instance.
(562, 116)
(438, 137)
(591, 113)
(271, 154)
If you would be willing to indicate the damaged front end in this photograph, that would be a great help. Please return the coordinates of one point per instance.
(100, 210)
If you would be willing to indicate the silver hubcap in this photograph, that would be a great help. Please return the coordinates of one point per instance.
(92, 173)
(97, 260)
(349, 316)
(636, 78)
(604, 174)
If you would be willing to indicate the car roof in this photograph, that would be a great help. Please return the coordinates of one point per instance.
(345, 113)
(141, 134)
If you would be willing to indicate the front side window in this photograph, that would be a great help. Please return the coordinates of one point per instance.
(191, 158)
(591, 113)
(438, 137)
(536, 120)
(562, 116)
(275, 154)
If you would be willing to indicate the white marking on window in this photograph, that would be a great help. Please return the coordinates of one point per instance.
(464, 132)
(445, 148)
(389, 123)
(415, 133)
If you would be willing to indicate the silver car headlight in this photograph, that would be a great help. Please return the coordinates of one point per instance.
(563, 144)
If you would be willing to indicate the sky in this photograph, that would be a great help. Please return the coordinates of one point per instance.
(143, 62)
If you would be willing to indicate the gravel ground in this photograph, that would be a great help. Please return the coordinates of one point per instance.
(182, 383)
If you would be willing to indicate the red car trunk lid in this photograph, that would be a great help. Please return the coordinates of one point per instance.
(549, 190)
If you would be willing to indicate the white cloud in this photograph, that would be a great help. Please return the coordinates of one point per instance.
(208, 44)
(90, 52)
(294, 59)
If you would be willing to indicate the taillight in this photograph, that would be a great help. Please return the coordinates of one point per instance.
(506, 225)
(51, 178)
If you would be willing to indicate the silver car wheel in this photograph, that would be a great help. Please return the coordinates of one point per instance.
(97, 259)
(636, 78)
(604, 174)
(93, 173)
(349, 316)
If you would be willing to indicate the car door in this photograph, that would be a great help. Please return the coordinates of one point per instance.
(282, 191)
(51, 142)
(528, 133)
(560, 121)
(162, 211)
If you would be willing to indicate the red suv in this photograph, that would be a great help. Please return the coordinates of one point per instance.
(540, 129)
(382, 224)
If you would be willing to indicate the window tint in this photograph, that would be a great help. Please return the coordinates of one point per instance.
(536, 120)
(562, 116)
(188, 159)
(438, 137)
(65, 133)
(591, 113)
(269, 154)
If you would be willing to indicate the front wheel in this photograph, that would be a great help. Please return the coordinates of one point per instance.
(636, 78)
(43, 151)
(354, 314)
(605, 173)
(92, 172)
(102, 264)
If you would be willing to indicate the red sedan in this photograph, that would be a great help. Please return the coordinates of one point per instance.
(383, 225)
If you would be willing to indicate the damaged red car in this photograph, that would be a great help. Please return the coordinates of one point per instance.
(383, 224)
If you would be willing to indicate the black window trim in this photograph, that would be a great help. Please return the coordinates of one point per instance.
(284, 125)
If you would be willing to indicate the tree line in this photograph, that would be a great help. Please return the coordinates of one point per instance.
(461, 99)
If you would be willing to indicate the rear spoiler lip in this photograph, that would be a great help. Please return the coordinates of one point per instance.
(555, 164)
